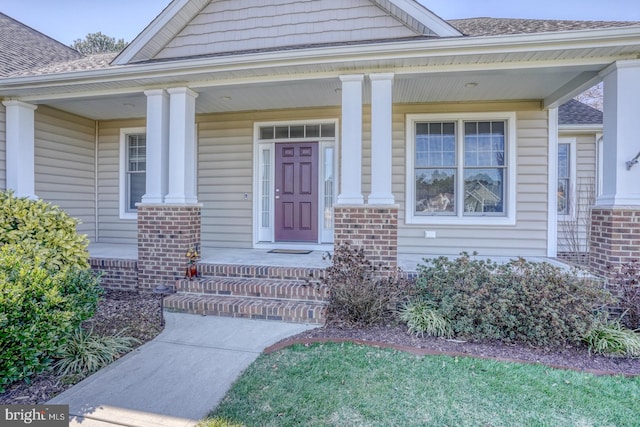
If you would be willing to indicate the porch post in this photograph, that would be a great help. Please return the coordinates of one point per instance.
(373, 228)
(615, 219)
(351, 155)
(381, 139)
(157, 146)
(20, 161)
(182, 146)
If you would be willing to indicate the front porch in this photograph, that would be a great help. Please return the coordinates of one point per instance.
(262, 257)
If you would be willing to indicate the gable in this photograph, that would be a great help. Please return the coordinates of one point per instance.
(191, 28)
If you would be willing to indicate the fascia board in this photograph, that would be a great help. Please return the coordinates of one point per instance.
(434, 47)
(579, 129)
(428, 18)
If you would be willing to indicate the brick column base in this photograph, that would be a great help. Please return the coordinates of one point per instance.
(615, 238)
(372, 228)
(165, 234)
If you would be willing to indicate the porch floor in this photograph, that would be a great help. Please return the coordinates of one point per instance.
(262, 257)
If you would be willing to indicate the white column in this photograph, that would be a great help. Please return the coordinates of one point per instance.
(621, 140)
(182, 146)
(157, 146)
(552, 172)
(351, 153)
(20, 133)
(381, 139)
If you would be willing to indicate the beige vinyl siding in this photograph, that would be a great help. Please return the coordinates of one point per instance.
(112, 229)
(65, 163)
(232, 26)
(225, 172)
(572, 231)
(529, 236)
(3, 147)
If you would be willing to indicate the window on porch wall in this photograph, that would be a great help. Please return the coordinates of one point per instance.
(136, 165)
(564, 179)
(461, 169)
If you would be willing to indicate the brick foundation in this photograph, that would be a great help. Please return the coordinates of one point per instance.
(373, 228)
(615, 238)
(165, 234)
(117, 274)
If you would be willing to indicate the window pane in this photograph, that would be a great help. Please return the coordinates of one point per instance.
(297, 132)
(435, 191)
(563, 196)
(266, 132)
(484, 144)
(563, 161)
(328, 173)
(282, 131)
(484, 191)
(137, 185)
(328, 130)
(313, 131)
(435, 145)
(266, 188)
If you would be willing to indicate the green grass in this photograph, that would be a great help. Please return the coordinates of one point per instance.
(352, 385)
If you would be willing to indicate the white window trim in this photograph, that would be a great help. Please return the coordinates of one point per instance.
(572, 178)
(509, 218)
(123, 171)
(264, 238)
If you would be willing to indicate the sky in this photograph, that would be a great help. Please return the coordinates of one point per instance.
(69, 20)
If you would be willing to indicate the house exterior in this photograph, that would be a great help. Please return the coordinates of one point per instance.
(301, 124)
(580, 154)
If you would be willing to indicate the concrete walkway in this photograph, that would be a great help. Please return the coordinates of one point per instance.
(176, 379)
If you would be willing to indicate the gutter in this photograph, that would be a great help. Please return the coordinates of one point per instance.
(617, 37)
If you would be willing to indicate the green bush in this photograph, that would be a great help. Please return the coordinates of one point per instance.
(360, 293)
(532, 303)
(613, 339)
(39, 307)
(85, 352)
(42, 231)
(422, 318)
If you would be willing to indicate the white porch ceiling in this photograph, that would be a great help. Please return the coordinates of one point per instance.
(523, 84)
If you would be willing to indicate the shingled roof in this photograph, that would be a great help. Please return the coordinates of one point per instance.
(23, 48)
(577, 113)
(478, 27)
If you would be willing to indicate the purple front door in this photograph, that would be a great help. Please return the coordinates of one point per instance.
(296, 208)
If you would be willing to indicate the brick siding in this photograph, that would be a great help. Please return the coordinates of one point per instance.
(116, 274)
(615, 238)
(165, 234)
(372, 228)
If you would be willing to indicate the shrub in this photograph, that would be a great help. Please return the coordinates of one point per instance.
(613, 339)
(38, 309)
(85, 352)
(533, 303)
(42, 231)
(359, 292)
(626, 285)
(422, 318)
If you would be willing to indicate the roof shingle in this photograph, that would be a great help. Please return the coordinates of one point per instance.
(575, 112)
(478, 27)
(23, 48)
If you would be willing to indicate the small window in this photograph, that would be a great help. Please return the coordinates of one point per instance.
(565, 173)
(133, 167)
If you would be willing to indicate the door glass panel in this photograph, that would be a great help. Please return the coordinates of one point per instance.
(328, 182)
(266, 189)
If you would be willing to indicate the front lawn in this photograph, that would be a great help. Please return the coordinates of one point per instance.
(353, 385)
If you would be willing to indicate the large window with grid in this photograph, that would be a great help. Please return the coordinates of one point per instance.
(460, 168)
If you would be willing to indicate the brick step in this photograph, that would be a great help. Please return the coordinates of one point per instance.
(248, 308)
(258, 271)
(255, 288)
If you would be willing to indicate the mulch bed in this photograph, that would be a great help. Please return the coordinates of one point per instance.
(574, 358)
